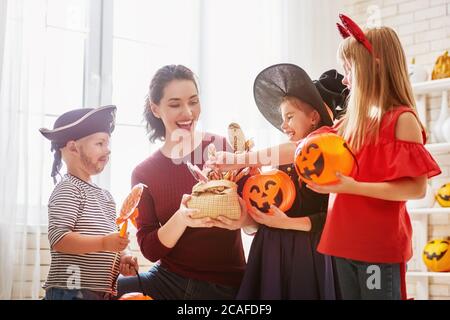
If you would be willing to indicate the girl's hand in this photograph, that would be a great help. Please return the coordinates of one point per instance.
(185, 216)
(345, 184)
(275, 219)
(224, 161)
(227, 223)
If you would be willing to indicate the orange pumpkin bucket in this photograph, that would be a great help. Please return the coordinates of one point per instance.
(137, 295)
(319, 157)
(269, 188)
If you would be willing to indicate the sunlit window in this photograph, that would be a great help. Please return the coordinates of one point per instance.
(146, 36)
(54, 33)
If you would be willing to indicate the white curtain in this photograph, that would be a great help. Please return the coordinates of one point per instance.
(20, 187)
(238, 39)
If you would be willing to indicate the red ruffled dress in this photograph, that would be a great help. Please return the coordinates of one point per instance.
(374, 230)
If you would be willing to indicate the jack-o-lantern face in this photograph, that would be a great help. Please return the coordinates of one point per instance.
(269, 188)
(436, 255)
(443, 195)
(313, 162)
(319, 157)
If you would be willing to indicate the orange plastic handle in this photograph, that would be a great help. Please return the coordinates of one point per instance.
(123, 229)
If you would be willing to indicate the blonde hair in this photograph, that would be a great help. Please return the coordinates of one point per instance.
(379, 82)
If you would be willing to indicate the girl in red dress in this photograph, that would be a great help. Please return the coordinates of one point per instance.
(368, 229)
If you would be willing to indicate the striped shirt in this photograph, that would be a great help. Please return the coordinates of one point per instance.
(78, 206)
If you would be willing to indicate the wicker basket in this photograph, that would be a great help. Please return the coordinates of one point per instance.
(215, 198)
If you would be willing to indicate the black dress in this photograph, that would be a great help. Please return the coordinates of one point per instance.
(285, 264)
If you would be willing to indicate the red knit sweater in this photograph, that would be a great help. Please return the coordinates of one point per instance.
(209, 254)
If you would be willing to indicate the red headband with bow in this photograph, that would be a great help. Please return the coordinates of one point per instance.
(350, 28)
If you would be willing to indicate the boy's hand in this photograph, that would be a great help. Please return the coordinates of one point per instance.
(128, 265)
(114, 242)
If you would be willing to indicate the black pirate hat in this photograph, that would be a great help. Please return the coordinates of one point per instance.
(276, 82)
(77, 124)
(333, 92)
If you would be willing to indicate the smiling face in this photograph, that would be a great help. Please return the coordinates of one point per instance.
(299, 118)
(179, 108)
(265, 195)
(269, 188)
(436, 255)
(320, 156)
(443, 195)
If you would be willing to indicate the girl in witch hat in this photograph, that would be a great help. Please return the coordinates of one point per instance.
(283, 262)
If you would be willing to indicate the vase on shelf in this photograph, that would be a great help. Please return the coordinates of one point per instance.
(445, 129)
(442, 132)
(417, 73)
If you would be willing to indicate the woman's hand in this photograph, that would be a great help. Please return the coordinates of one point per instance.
(128, 265)
(275, 218)
(227, 223)
(184, 215)
(345, 184)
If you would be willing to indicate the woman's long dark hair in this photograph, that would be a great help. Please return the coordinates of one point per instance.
(165, 75)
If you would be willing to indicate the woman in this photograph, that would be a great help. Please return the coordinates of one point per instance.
(195, 259)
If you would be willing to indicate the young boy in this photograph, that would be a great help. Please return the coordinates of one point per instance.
(87, 252)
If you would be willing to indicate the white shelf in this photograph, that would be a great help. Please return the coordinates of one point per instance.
(421, 216)
(431, 86)
(438, 148)
(436, 210)
(427, 274)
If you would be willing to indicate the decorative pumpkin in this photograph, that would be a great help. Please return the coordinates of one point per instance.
(135, 296)
(269, 188)
(442, 67)
(436, 255)
(443, 195)
(319, 157)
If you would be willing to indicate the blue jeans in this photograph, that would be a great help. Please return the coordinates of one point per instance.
(77, 294)
(368, 281)
(161, 284)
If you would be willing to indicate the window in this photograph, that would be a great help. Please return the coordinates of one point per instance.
(49, 52)
(146, 36)
(83, 53)
(87, 53)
